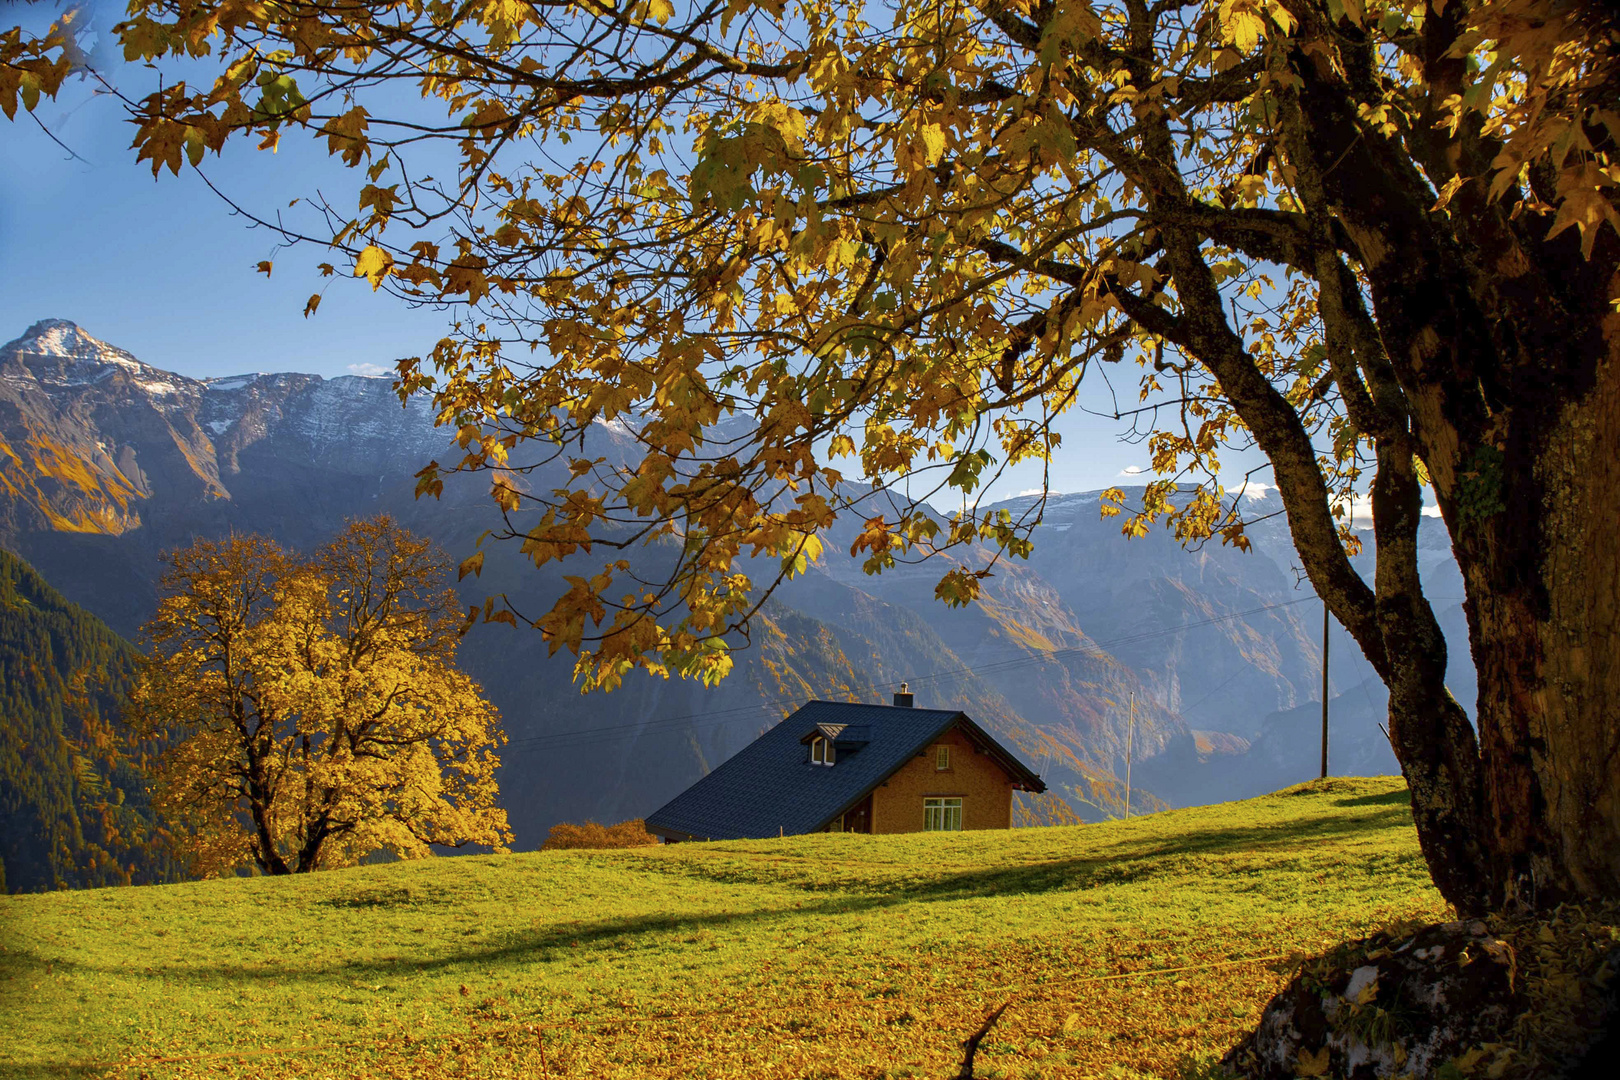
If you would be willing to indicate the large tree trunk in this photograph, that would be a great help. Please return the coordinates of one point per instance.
(1506, 352)
(1544, 622)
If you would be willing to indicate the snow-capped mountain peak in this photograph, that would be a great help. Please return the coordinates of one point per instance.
(63, 338)
(58, 352)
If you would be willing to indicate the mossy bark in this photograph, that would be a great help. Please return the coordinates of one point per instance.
(1542, 570)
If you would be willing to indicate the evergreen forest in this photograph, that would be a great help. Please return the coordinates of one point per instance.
(73, 804)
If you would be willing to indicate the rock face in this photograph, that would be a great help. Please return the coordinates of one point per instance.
(1400, 1007)
(107, 461)
(1522, 996)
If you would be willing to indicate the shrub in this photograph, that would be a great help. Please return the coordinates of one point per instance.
(625, 834)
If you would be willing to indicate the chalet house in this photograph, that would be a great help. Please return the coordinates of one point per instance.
(836, 767)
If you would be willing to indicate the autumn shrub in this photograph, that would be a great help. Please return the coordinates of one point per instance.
(592, 834)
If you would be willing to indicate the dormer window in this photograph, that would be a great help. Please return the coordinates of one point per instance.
(821, 751)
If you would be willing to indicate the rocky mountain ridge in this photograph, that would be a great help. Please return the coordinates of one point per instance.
(106, 461)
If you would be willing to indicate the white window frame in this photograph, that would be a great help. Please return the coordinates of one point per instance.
(942, 813)
(822, 751)
(942, 758)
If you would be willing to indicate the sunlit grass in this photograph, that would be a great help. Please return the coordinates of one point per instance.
(819, 956)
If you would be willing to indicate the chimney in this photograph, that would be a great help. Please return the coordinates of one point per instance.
(902, 700)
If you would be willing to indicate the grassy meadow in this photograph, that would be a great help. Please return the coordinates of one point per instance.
(810, 957)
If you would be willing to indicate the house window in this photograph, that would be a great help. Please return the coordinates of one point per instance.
(821, 752)
(942, 815)
(942, 758)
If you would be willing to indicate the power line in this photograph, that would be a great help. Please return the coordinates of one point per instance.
(582, 737)
(1227, 682)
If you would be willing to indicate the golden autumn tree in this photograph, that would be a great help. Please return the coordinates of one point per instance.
(312, 709)
(814, 253)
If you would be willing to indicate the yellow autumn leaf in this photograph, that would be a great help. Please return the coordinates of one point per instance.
(1245, 29)
(1587, 209)
(813, 548)
(374, 264)
(660, 10)
(1312, 1064)
(1283, 17)
(933, 140)
(1447, 190)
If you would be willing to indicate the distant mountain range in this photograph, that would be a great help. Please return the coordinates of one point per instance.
(106, 461)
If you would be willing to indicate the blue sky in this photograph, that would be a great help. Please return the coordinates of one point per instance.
(161, 267)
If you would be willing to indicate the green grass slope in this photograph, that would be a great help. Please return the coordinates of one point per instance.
(819, 956)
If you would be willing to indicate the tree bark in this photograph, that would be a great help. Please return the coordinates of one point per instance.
(1503, 345)
(264, 845)
(1544, 625)
(1438, 753)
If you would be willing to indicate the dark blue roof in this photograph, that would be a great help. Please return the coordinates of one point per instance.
(770, 787)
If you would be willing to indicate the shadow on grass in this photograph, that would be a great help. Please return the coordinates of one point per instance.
(1398, 797)
(15, 1071)
(1081, 872)
(1234, 838)
(1128, 861)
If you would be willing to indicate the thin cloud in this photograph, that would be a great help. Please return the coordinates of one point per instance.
(370, 371)
(1358, 512)
(1132, 470)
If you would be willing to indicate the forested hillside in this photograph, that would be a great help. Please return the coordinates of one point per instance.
(73, 810)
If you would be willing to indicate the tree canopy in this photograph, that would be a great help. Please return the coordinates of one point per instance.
(312, 706)
(814, 255)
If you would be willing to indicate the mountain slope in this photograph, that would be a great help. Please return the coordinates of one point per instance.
(293, 455)
(74, 814)
(109, 461)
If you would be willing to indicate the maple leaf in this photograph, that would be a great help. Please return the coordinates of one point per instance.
(374, 264)
(1309, 1064)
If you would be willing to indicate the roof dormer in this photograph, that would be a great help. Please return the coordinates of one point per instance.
(828, 742)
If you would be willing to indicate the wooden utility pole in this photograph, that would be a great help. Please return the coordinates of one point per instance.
(1324, 686)
(1130, 740)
